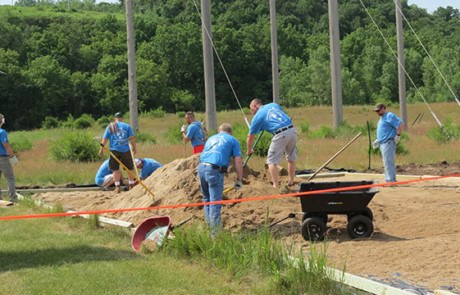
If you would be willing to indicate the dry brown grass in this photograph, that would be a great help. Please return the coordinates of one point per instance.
(37, 168)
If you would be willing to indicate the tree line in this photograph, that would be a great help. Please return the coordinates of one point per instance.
(70, 57)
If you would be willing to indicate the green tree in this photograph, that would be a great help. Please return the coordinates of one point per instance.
(53, 83)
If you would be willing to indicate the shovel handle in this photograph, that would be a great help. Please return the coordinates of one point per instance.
(253, 147)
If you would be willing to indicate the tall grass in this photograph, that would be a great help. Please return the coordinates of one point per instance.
(257, 253)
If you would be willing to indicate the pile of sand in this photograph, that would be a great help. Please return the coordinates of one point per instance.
(177, 183)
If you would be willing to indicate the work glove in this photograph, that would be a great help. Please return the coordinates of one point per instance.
(397, 139)
(183, 128)
(14, 160)
(238, 185)
(376, 144)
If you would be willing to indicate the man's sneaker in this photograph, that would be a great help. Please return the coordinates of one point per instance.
(117, 189)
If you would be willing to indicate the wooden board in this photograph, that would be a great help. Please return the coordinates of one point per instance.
(5, 203)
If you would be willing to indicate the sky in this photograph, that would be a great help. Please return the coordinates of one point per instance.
(429, 5)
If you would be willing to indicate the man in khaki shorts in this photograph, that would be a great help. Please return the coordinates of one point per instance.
(274, 120)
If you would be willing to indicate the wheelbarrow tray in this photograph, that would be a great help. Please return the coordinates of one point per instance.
(343, 202)
(153, 228)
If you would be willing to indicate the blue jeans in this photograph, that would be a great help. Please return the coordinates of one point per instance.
(212, 186)
(7, 170)
(388, 150)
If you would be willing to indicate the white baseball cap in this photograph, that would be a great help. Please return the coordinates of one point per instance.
(138, 162)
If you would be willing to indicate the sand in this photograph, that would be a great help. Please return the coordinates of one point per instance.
(416, 237)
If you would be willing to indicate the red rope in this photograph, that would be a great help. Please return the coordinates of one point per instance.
(225, 202)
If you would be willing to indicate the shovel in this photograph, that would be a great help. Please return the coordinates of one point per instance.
(245, 161)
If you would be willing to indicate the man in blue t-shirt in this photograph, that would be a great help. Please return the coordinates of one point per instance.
(193, 133)
(273, 119)
(120, 135)
(389, 130)
(214, 161)
(147, 166)
(7, 158)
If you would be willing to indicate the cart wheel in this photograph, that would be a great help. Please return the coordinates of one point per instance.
(323, 217)
(360, 226)
(313, 229)
(368, 213)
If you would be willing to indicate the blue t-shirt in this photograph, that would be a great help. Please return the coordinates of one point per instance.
(149, 166)
(219, 148)
(387, 127)
(269, 117)
(119, 141)
(3, 139)
(102, 172)
(195, 134)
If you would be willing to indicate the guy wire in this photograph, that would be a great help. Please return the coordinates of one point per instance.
(404, 69)
(221, 63)
(428, 54)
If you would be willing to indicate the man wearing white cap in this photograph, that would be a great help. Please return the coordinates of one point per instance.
(146, 166)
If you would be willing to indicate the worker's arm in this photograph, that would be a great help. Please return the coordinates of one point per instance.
(183, 131)
(239, 168)
(8, 148)
(132, 139)
(400, 129)
(101, 149)
(185, 138)
(249, 142)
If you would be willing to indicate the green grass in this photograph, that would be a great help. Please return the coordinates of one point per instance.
(72, 256)
(77, 256)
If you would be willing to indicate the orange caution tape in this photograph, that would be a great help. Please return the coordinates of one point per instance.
(225, 202)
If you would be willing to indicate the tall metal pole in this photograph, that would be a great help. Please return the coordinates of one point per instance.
(336, 81)
(208, 62)
(132, 84)
(401, 74)
(274, 46)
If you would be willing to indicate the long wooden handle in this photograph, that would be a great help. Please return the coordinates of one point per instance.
(127, 170)
(333, 157)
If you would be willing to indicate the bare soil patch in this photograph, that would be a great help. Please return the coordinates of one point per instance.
(416, 238)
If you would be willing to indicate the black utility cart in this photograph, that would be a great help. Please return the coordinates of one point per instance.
(353, 203)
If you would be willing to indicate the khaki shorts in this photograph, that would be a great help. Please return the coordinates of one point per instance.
(125, 158)
(283, 143)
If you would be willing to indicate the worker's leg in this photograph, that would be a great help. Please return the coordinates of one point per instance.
(275, 153)
(274, 173)
(388, 150)
(7, 170)
(291, 152)
(291, 172)
(128, 162)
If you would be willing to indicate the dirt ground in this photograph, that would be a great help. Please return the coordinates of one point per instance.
(416, 237)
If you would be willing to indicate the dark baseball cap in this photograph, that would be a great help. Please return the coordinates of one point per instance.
(379, 106)
(118, 115)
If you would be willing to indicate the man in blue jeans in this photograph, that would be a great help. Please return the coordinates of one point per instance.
(214, 161)
(389, 130)
(7, 159)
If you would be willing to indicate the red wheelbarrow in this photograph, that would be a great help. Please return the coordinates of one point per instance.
(153, 228)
